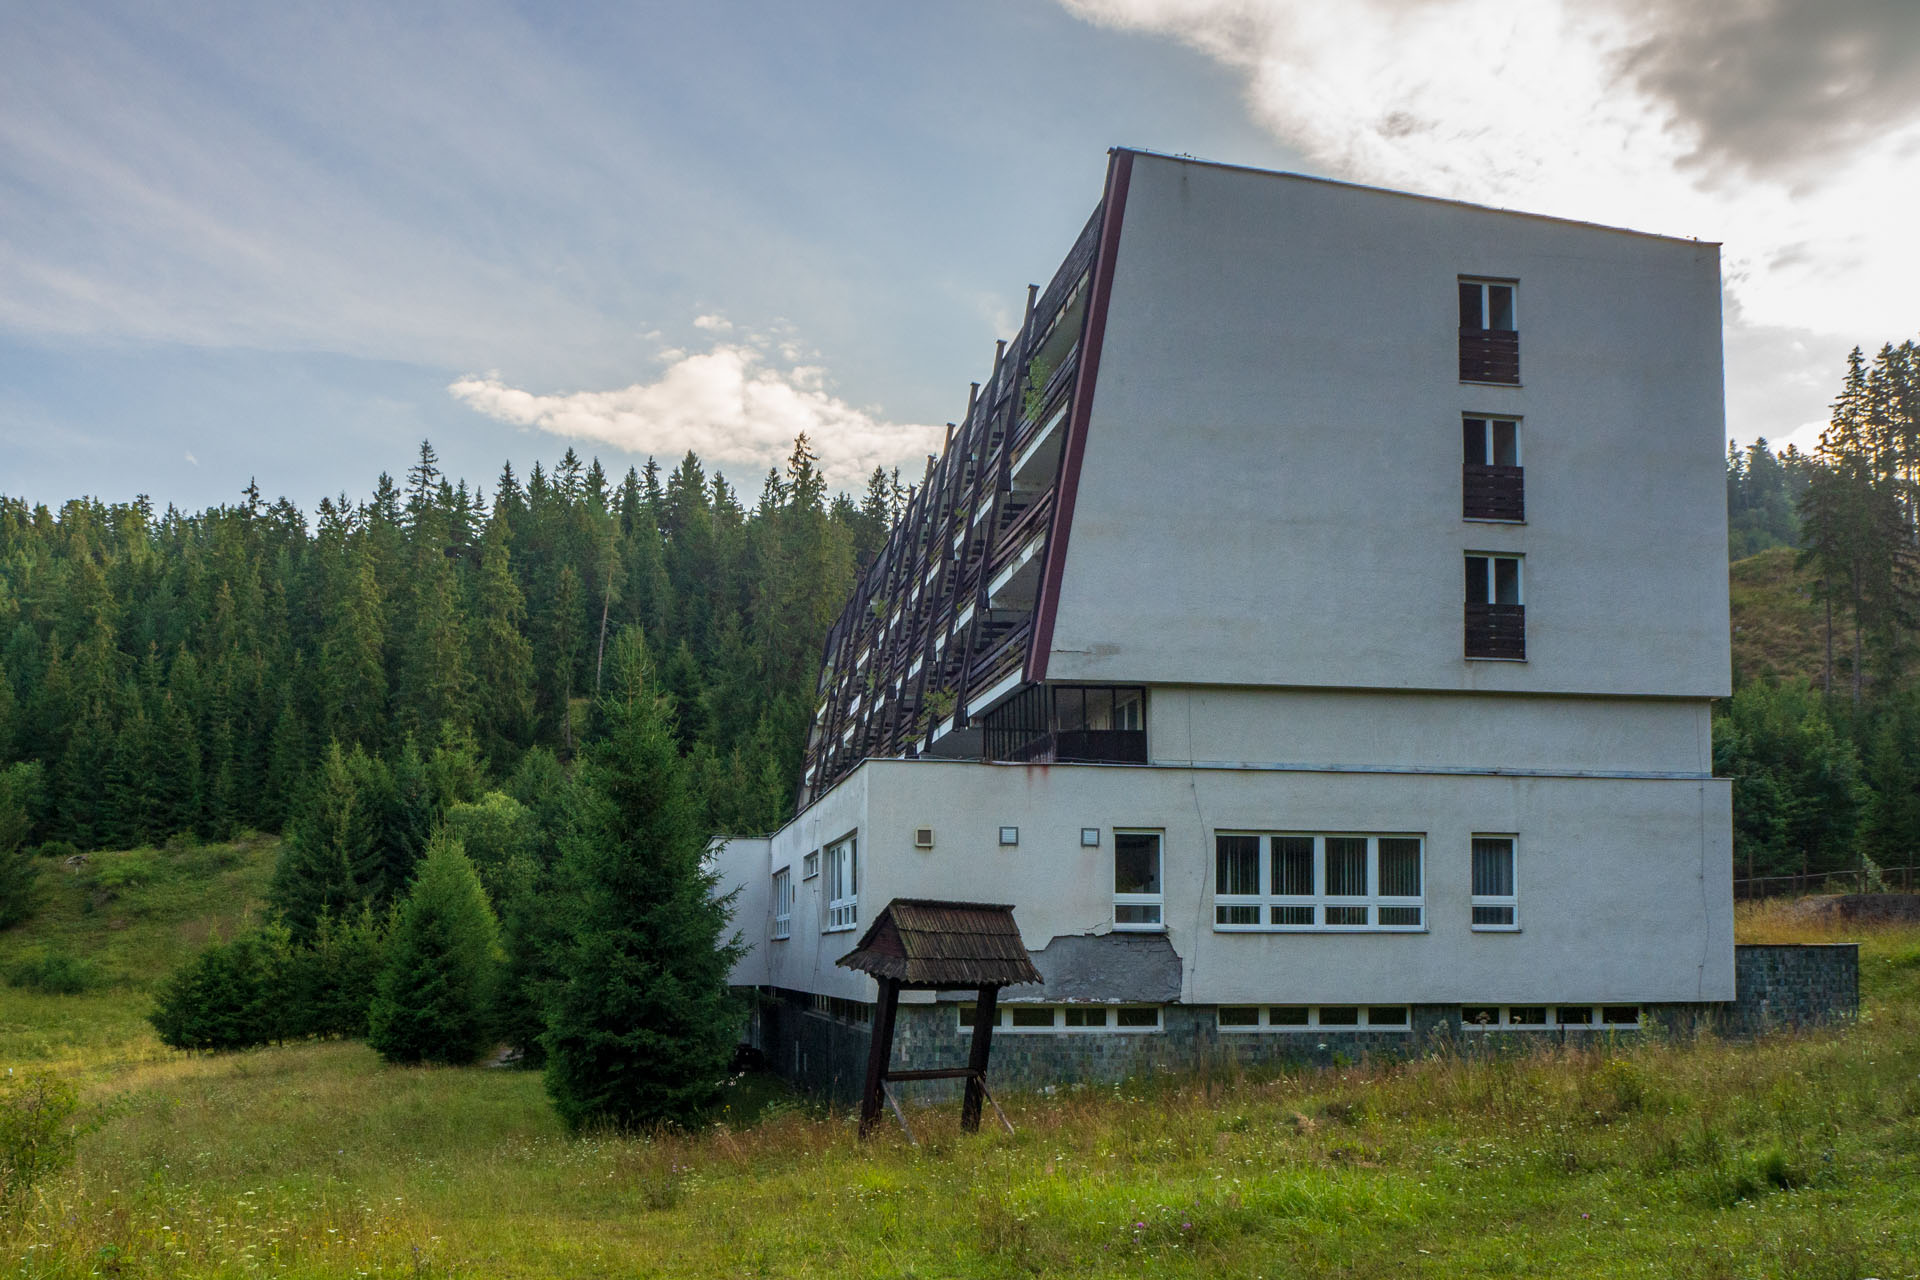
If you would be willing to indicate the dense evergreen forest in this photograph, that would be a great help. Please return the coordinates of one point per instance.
(1826, 766)
(179, 672)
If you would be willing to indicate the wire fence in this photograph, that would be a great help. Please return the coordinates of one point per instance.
(1870, 880)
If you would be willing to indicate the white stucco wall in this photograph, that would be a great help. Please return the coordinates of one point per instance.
(1271, 492)
(1624, 885)
(1210, 724)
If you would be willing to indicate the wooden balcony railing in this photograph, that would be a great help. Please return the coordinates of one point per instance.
(1493, 493)
(1490, 355)
(1496, 630)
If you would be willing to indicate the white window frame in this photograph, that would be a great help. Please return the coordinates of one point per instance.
(842, 891)
(1552, 1021)
(1270, 904)
(1483, 283)
(1313, 1024)
(1066, 1019)
(1493, 578)
(783, 903)
(1510, 901)
(1487, 422)
(1140, 901)
(810, 865)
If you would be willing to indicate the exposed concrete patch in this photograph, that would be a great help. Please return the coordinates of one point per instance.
(1131, 968)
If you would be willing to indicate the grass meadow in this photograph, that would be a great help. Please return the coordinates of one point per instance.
(1795, 1157)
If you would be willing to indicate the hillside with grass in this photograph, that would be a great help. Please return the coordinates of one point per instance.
(1795, 1157)
(1778, 623)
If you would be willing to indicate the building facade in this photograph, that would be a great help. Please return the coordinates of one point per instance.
(1311, 629)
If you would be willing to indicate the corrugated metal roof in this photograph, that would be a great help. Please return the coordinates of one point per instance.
(922, 943)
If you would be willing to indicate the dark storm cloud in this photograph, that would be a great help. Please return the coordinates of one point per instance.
(1779, 86)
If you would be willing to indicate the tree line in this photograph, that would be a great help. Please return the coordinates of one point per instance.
(183, 672)
(1826, 771)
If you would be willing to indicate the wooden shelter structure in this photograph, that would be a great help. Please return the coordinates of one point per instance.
(921, 945)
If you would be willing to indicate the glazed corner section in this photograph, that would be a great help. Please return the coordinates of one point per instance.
(954, 613)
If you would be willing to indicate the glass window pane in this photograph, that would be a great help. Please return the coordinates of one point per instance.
(1387, 1016)
(1527, 1015)
(1506, 581)
(1293, 866)
(1246, 1016)
(1620, 1015)
(1027, 1016)
(1136, 862)
(1147, 1017)
(1506, 444)
(1293, 915)
(1287, 1016)
(1347, 866)
(1340, 1015)
(1237, 864)
(1086, 1017)
(1237, 915)
(1574, 1015)
(1477, 585)
(1473, 435)
(1469, 305)
(1134, 913)
(1480, 1015)
(1493, 915)
(1499, 306)
(1347, 916)
(1399, 867)
(1401, 917)
(1492, 867)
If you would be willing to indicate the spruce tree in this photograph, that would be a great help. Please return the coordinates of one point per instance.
(640, 1032)
(434, 999)
(329, 853)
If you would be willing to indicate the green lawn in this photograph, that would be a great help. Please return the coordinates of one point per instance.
(1796, 1157)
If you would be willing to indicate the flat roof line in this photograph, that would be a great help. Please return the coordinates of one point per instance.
(1411, 195)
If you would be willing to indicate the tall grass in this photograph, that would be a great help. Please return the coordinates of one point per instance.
(1798, 1156)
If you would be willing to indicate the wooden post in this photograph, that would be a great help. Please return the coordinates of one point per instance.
(879, 1054)
(983, 1020)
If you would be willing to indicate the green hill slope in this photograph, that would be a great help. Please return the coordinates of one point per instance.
(117, 923)
(1779, 628)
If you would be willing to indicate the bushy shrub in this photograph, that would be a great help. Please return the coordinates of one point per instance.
(434, 1002)
(332, 982)
(56, 973)
(233, 995)
(35, 1136)
(59, 849)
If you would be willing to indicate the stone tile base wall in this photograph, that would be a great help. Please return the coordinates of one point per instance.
(1793, 986)
(1779, 987)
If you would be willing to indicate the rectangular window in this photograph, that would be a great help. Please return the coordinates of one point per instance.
(1496, 905)
(783, 903)
(1309, 1017)
(1496, 608)
(810, 865)
(1318, 882)
(1559, 1017)
(1031, 1018)
(1491, 481)
(1489, 332)
(1137, 897)
(843, 884)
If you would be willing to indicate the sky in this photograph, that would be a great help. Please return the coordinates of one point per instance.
(290, 241)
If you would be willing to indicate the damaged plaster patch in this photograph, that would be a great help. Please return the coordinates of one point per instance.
(1126, 968)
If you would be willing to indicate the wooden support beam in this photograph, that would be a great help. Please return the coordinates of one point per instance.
(879, 1053)
(983, 1019)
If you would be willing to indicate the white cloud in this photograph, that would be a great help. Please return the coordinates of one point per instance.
(1569, 108)
(736, 405)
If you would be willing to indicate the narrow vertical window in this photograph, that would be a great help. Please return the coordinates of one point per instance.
(1495, 903)
(1236, 875)
(1489, 334)
(843, 884)
(1399, 889)
(1293, 878)
(1346, 877)
(1492, 483)
(783, 903)
(1137, 898)
(1496, 614)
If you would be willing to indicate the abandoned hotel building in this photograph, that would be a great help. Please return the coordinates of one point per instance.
(1308, 657)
